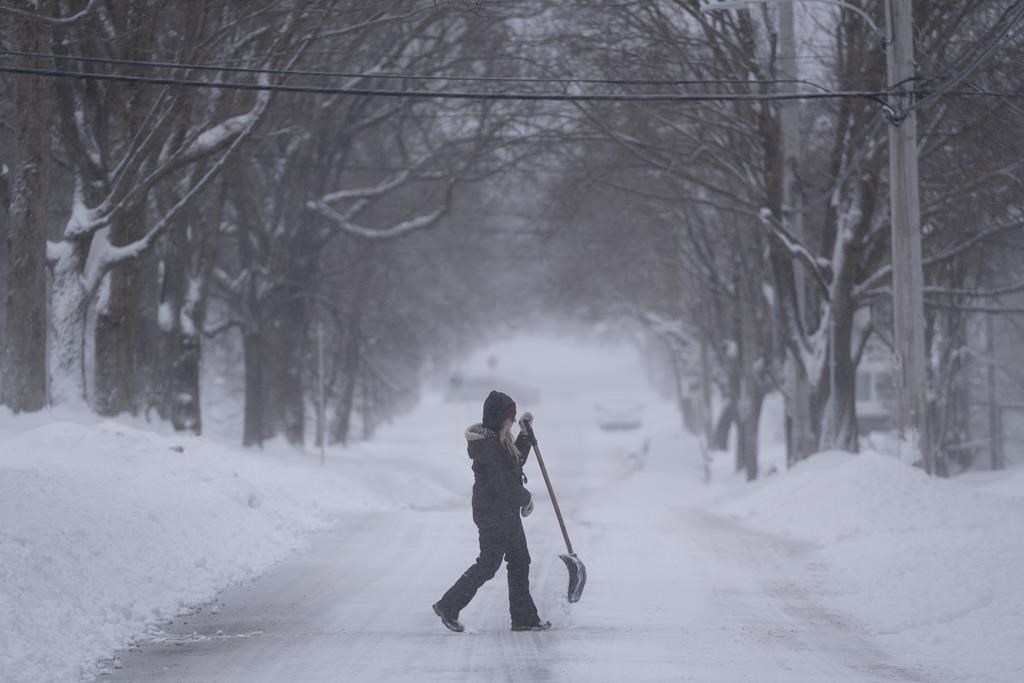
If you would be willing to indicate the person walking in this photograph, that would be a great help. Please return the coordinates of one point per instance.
(500, 501)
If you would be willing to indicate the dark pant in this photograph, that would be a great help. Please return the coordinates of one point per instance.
(499, 538)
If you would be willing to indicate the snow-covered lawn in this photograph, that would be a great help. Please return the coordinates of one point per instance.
(107, 529)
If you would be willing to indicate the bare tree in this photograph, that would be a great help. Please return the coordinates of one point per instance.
(23, 361)
(118, 156)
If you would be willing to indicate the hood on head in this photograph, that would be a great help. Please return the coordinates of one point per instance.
(496, 406)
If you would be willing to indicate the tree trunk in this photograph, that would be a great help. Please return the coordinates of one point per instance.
(368, 407)
(688, 412)
(124, 310)
(705, 391)
(253, 429)
(117, 341)
(176, 389)
(183, 289)
(287, 406)
(24, 362)
(724, 424)
(747, 426)
(350, 377)
(749, 404)
(69, 304)
(185, 412)
(839, 420)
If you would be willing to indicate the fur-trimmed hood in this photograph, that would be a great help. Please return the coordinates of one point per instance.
(475, 432)
(476, 435)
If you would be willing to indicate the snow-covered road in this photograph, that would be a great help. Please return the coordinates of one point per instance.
(846, 568)
(673, 593)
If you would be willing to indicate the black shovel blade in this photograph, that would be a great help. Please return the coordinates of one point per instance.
(577, 576)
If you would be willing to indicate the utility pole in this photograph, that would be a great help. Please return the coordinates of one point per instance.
(905, 208)
(801, 435)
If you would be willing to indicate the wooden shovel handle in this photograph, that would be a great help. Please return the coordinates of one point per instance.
(547, 481)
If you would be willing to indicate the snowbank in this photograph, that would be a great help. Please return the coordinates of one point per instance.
(105, 528)
(932, 565)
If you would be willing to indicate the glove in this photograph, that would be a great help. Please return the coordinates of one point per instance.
(527, 509)
(526, 420)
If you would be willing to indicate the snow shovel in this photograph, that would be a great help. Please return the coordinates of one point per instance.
(577, 572)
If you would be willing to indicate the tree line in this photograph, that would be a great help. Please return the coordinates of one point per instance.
(738, 299)
(148, 221)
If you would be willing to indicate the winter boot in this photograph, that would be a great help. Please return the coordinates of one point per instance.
(450, 623)
(542, 626)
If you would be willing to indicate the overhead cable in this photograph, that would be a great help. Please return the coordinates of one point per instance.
(451, 94)
(567, 80)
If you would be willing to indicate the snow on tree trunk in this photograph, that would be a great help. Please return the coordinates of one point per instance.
(24, 360)
(180, 317)
(69, 304)
(185, 407)
(187, 413)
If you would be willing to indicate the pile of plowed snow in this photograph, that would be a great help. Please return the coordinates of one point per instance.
(934, 565)
(105, 528)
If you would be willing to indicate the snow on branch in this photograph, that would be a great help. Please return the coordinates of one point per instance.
(365, 192)
(83, 221)
(110, 256)
(217, 137)
(398, 230)
(819, 267)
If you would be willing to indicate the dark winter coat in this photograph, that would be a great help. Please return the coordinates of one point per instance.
(498, 490)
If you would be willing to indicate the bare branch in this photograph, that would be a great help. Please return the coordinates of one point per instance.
(51, 21)
(868, 288)
(112, 256)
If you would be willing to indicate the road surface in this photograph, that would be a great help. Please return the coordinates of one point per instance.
(674, 594)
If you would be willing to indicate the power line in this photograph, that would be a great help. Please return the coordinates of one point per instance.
(450, 94)
(409, 77)
(508, 96)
